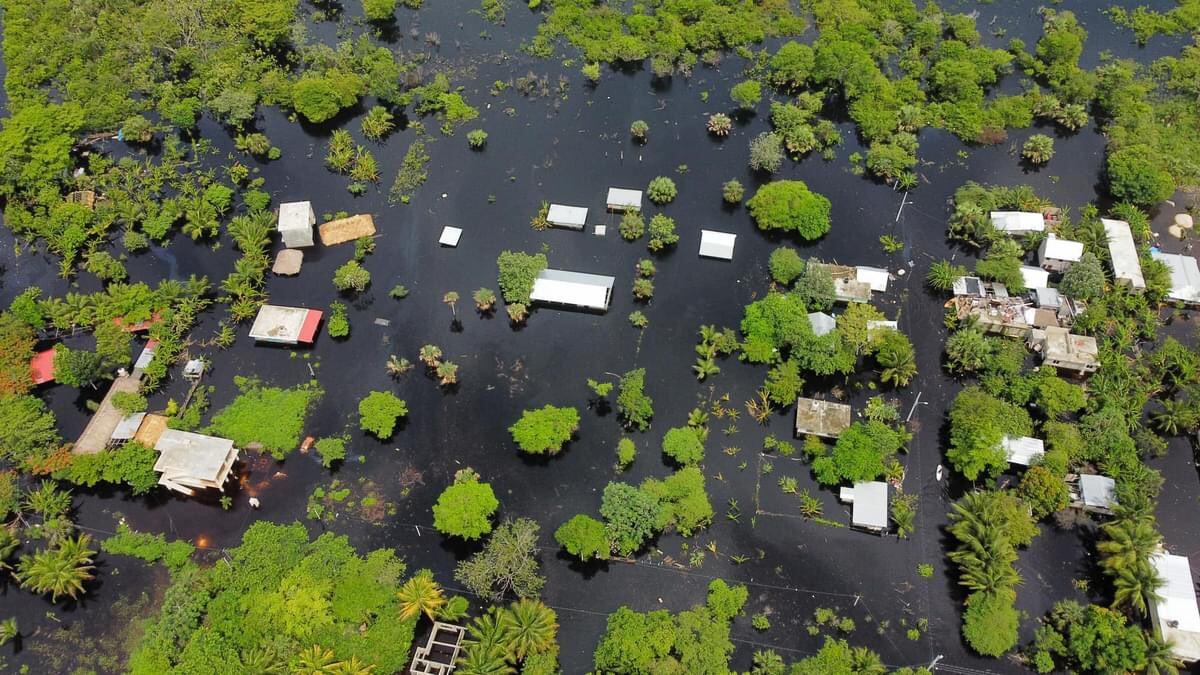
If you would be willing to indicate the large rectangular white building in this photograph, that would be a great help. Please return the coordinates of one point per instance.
(1127, 268)
(1174, 613)
(623, 199)
(572, 289)
(1018, 222)
(570, 217)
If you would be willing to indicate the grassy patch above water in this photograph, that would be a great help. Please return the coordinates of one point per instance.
(270, 416)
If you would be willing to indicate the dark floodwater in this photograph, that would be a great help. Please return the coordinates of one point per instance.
(569, 149)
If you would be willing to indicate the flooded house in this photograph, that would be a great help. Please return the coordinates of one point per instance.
(568, 217)
(1018, 222)
(846, 286)
(450, 236)
(715, 244)
(286, 325)
(874, 277)
(1034, 277)
(439, 654)
(974, 286)
(1185, 276)
(826, 419)
(295, 225)
(41, 367)
(1174, 612)
(869, 505)
(189, 461)
(1092, 492)
(1123, 254)
(1066, 351)
(623, 199)
(351, 228)
(1057, 255)
(572, 289)
(821, 323)
(1008, 316)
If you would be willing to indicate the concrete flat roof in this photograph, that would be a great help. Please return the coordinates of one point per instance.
(577, 289)
(870, 508)
(573, 217)
(450, 236)
(296, 216)
(1098, 491)
(827, 419)
(1035, 277)
(194, 460)
(1185, 276)
(285, 325)
(875, 277)
(715, 244)
(1123, 253)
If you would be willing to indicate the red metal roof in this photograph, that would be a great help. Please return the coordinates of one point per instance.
(308, 331)
(42, 367)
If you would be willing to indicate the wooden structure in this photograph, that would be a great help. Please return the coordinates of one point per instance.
(439, 654)
(821, 418)
(343, 230)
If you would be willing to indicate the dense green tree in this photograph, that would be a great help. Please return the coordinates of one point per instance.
(1084, 280)
(631, 516)
(584, 537)
(379, 10)
(785, 265)
(379, 411)
(77, 367)
(978, 421)
(27, 429)
(837, 656)
(517, 273)
(1057, 397)
(784, 383)
(1044, 490)
(990, 623)
(746, 94)
(790, 206)
(968, 350)
(772, 325)
(635, 407)
(789, 67)
(766, 152)
(634, 642)
(724, 600)
(661, 190)
(662, 233)
(35, 146)
(683, 444)
(319, 97)
(545, 430)
(465, 508)
(860, 454)
(1134, 176)
(682, 500)
(814, 287)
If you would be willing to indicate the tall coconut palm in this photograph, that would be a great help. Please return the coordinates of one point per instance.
(9, 542)
(261, 661)
(1159, 658)
(451, 299)
(1134, 585)
(431, 355)
(532, 627)
(898, 361)
(420, 595)
(484, 660)
(397, 366)
(489, 631)
(1172, 417)
(1130, 542)
(863, 661)
(447, 373)
(58, 571)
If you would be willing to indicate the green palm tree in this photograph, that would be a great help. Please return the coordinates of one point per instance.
(863, 661)
(314, 660)
(420, 595)
(59, 571)
(1172, 417)
(1130, 542)
(484, 660)
(8, 543)
(943, 274)
(532, 628)
(1132, 586)
(899, 364)
(489, 631)
(261, 661)
(1159, 659)
(351, 666)
(8, 630)
(48, 501)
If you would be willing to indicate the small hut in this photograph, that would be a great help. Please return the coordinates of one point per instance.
(715, 244)
(869, 502)
(295, 225)
(570, 217)
(622, 199)
(343, 230)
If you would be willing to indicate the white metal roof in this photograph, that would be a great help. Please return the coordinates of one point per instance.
(146, 356)
(1123, 252)
(1175, 611)
(1097, 490)
(870, 505)
(560, 287)
(1022, 450)
(822, 323)
(1054, 248)
(875, 277)
(715, 244)
(567, 216)
(1048, 298)
(969, 286)
(1035, 277)
(128, 426)
(623, 198)
(450, 236)
(1018, 222)
(1185, 276)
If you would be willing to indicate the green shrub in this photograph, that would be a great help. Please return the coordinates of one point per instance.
(785, 265)
(584, 537)
(746, 94)
(339, 323)
(351, 276)
(632, 226)
(626, 453)
(732, 191)
(379, 10)
(331, 450)
(545, 430)
(465, 508)
(661, 190)
(477, 138)
(662, 233)
(268, 416)
(378, 413)
(683, 445)
(129, 402)
(149, 547)
(517, 273)
(990, 623)
(790, 206)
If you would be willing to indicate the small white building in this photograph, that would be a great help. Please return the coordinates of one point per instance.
(1174, 613)
(570, 217)
(572, 289)
(1097, 492)
(874, 277)
(1022, 450)
(715, 244)
(1018, 222)
(296, 220)
(1185, 276)
(450, 236)
(822, 323)
(285, 325)
(1056, 255)
(189, 461)
(870, 505)
(622, 199)
(1127, 267)
(1034, 277)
